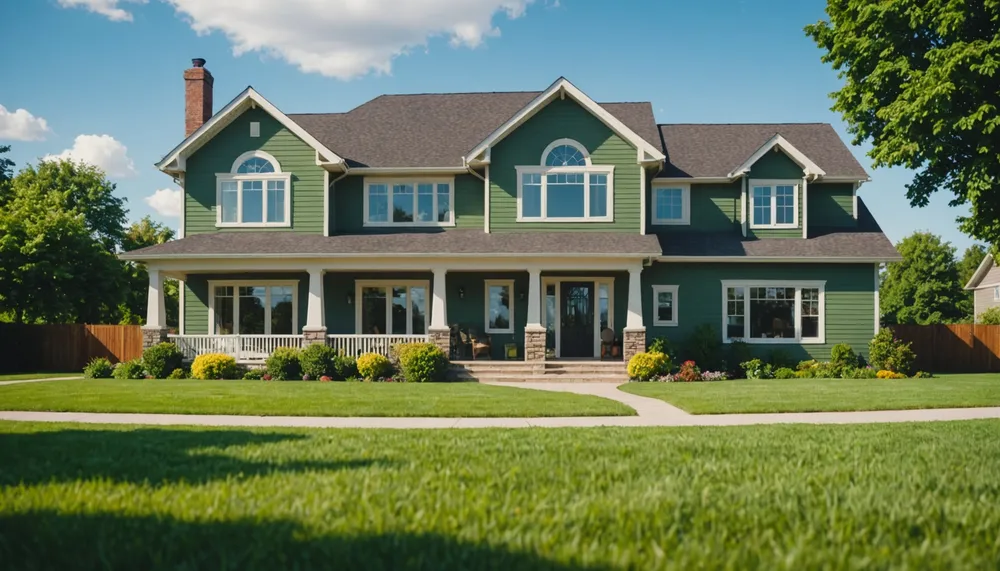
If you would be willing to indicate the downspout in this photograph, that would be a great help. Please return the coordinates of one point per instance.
(743, 205)
(805, 206)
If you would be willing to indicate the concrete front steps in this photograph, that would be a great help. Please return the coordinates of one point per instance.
(545, 371)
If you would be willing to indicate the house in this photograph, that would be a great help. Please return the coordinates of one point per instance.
(541, 219)
(985, 285)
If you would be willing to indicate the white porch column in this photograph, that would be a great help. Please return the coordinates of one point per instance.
(535, 299)
(155, 314)
(634, 335)
(314, 330)
(439, 332)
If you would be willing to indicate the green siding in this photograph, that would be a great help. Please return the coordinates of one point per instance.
(775, 165)
(469, 311)
(347, 203)
(217, 156)
(714, 208)
(196, 296)
(831, 205)
(563, 119)
(850, 301)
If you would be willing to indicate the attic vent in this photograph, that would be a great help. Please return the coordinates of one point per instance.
(254, 129)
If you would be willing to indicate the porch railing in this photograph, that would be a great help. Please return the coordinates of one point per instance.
(244, 348)
(355, 345)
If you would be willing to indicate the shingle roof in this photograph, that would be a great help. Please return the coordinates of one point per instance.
(714, 150)
(436, 130)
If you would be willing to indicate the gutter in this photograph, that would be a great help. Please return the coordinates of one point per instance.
(778, 259)
(645, 255)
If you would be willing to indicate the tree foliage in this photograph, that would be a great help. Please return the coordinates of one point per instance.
(921, 83)
(6, 170)
(969, 263)
(990, 317)
(142, 234)
(924, 287)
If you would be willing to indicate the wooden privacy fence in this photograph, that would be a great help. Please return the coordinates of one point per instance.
(953, 348)
(67, 347)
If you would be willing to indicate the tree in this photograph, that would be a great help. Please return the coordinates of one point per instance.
(969, 263)
(990, 317)
(6, 170)
(924, 287)
(141, 235)
(921, 83)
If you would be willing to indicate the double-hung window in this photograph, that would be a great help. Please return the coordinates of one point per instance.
(253, 308)
(499, 306)
(665, 305)
(409, 202)
(773, 311)
(565, 187)
(255, 193)
(672, 204)
(774, 203)
(391, 307)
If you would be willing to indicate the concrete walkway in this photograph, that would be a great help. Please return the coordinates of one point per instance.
(19, 381)
(651, 412)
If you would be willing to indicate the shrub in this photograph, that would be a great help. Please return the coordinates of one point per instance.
(922, 375)
(883, 374)
(645, 366)
(283, 364)
(161, 359)
(714, 376)
(990, 317)
(813, 369)
(373, 366)
(129, 370)
(842, 356)
(704, 346)
(784, 373)
(177, 373)
(886, 352)
(98, 368)
(214, 366)
(422, 362)
(858, 373)
(688, 372)
(254, 374)
(779, 358)
(345, 367)
(757, 369)
(739, 352)
(317, 360)
(661, 345)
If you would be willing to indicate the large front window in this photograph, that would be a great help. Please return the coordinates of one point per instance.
(774, 312)
(774, 204)
(397, 308)
(565, 186)
(251, 308)
(254, 193)
(409, 202)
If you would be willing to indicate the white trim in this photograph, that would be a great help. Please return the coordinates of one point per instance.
(878, 308)
(486, 201)
(245, 100)
(743, 205)
(810, 168)
(796, 184)
(772, 259)
(556, 281)
(239, 179)
(388, 285)
(643, 190)
(509, 284)
(183, 228)
(694, 179)
(671, 289)
(608, 170)
(236, 284)
(180, 306)
(984, 268)
(854, 199)
(805, 207)
(685, 218)
(414, 182)
(258, 154)
(560, 88)
(409, 171)
(326, 202)
(568, 142)
(796, 310)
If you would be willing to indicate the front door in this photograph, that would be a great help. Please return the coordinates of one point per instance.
(576, 325)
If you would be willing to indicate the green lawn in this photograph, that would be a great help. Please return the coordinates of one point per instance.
(917, 496)
(298, 398)
(25, 376)
(813, 395)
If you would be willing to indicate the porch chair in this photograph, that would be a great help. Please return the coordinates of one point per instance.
(480, 344)
(607, 342)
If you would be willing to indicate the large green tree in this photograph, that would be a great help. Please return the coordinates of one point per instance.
(921, 83)
(923, 288)
(6, 170)
(141, 234)
(967, 266)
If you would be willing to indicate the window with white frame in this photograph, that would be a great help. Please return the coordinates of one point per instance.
(253, 308)
(409, 202)
(389, 307)
(996, 293)
(775, 203)
(774, 312)
(255, 193)
(565, 187)
(672, 204)
(499, 306)
(665, 305)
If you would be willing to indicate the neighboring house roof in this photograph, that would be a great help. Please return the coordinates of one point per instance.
(416, 243)
(981, 272)
(865, 243)
(716, 150)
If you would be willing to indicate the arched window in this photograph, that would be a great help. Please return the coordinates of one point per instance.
(565, 186)
(254, 193)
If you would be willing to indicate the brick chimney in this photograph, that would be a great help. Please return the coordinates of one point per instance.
(197, 96)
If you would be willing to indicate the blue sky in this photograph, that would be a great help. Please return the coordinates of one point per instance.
(112, 69)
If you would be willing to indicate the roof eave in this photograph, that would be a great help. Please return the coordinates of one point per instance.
(808, 166)
(980, 273)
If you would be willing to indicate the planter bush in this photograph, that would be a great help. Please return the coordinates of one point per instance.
(757, 369)
(254, 374)
(886, 352)
(345, 367)
(283, 364)
(374, 366)
(129, 370)
(644, 366)
(177, 374)
(318, 360)
(422, 362)
(784, 373)
(704, 346)
(98, 368)
(214, 366)
(161, 359)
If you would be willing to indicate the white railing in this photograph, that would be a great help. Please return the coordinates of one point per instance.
(244, 348)
(355, 345)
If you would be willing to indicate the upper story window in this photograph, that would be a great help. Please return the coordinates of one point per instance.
(254, 193)
(775, 203)
(672, 204)
(409, 202)
(565, 187)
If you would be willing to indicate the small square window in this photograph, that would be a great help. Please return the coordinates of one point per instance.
(254, 129)
(671, 205)
(665, 305)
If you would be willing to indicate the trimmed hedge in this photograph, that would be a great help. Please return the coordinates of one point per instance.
(161, 359)
(214, 366)
(283, 364)
(421, 362)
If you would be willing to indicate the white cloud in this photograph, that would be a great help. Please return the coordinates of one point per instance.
(102, 151)
(345, 38)
(107, 8)
(166, 202)
(21, 125)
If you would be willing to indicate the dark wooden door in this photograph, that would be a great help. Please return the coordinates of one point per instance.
(576, 331)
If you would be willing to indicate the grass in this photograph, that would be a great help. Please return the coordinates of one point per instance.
(816, 395)
(889, 496)
(26, 376)
(298, 398)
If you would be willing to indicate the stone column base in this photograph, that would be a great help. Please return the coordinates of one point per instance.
(534, 344)
(313, 336)
(441, 336)
(153, 336)
(633, 341)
